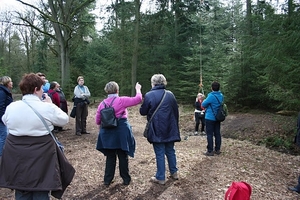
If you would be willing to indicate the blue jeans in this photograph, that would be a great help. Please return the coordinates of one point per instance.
(213, 130)
(25, 195)
(298, 185)
(162, 149)
(3, 134)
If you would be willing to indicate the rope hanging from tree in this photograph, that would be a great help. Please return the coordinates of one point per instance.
(200, 63)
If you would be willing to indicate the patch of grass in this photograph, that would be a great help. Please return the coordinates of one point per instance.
(279, 142)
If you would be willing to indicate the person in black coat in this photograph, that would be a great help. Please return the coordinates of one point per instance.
(297, 141)
(163, 131)
(6, 86)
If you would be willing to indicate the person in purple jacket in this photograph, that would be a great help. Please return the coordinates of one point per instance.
(164, 129)
(118, 141)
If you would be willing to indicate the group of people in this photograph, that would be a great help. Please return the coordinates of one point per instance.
(55, 92)
(32, 163)
(159, 106)
(81, 101)
(163, 132)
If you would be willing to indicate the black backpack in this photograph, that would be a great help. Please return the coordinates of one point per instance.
(108, 116)
(222, 112)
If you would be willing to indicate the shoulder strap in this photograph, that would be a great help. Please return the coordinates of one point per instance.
(217, 98)
(105, 105)
(51, 93)
(112, 102)
(162, 99)
(44, 122)
(212, 107)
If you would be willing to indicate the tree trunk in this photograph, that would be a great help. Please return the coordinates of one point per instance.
(135, 46)
(249, 15)
(62, 35)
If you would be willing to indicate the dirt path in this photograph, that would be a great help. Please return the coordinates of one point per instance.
(267, 171)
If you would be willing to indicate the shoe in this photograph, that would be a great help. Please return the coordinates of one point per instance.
(78, 134)
(209, 153)
(218, 152)
(196, 133)
(126, 183)
(108, 183)
(174, 176)
(85, 133)
(293, 189)
(203, 133)
(154, 180)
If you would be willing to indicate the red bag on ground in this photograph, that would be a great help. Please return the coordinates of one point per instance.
(238, 191)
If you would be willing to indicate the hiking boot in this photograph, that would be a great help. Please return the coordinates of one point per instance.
(108, 183)
(196, 133)
(294, 189)
(154, 180)
(218, 152)
(174, 176)
(126, 182)
(209, 153)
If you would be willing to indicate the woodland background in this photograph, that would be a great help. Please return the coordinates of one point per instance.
(250, 47)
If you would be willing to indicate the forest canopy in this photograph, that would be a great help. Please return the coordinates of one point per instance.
(251, 48)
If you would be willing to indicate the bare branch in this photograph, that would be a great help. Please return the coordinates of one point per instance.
(45, 15)
(30, 24)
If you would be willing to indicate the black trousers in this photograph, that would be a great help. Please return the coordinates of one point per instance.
(110, 166)
(81, 116)
(199, 119)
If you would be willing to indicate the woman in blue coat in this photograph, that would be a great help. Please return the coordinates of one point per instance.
(164, 129)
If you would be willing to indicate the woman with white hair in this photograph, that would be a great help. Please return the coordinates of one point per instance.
(161, 107)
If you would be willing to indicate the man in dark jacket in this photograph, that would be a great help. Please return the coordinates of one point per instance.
(161, 109)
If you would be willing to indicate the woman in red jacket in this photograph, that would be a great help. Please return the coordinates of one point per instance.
(53, 94)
